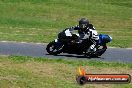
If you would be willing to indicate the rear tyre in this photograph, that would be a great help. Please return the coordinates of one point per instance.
(91, 55)
(53, 49)
(99, 52)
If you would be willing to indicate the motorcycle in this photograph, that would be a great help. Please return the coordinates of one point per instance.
(73, 47)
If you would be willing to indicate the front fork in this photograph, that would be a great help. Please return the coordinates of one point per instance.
(58, 44)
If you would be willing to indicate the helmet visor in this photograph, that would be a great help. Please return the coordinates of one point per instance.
(82, 26)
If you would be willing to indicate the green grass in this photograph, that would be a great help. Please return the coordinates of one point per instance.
(41, 20)
(29, 72)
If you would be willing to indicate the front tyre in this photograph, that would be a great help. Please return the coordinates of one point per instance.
(53, 49)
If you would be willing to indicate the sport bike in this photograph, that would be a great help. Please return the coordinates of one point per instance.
(74, 47)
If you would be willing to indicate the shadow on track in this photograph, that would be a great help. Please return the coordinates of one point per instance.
(73, 56)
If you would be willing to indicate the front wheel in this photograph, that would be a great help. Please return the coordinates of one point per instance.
(54, 48)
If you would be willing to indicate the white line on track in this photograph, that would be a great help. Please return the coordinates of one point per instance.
(43, 43)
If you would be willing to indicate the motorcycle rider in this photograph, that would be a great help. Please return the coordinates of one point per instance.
(85, 31)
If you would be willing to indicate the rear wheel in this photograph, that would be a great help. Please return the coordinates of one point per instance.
(97, 53)
(91, 54)
(53, 48)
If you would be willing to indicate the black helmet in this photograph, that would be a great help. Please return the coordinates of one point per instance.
(83, 23)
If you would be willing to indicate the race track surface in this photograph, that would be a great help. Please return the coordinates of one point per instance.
(38, 50)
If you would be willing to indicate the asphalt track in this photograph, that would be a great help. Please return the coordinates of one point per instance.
(38, 50)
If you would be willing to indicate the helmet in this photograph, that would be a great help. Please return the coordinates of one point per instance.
(83, 23)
